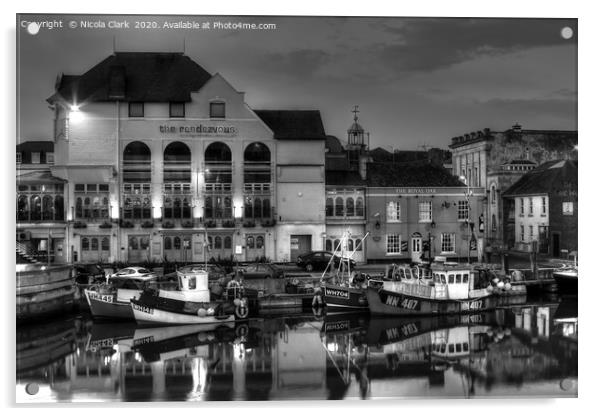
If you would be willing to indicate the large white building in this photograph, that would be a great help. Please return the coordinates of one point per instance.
(162, 160)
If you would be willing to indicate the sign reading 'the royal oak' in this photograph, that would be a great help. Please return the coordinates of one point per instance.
(198, 130)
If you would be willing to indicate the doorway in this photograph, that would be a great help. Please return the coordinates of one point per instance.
(138, 248)
(255, 247)
(556, 245)
(300, 244)
(177, 248)
(416, 247)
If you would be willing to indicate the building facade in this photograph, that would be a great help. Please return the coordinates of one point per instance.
(496, 160)
(161, 160)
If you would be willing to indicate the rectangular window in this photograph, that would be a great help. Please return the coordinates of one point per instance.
(217, 110)
(35, 157)
(544, 207)
(50, 158)
(393, 212)
(19, 158)
(530, 206)
(425, 211)
(393, 244)
(530, 233)
(136, 109)
(463, 209)
(567, 208)
(522, 233)
(522, 206)
(176, 109)
(448, 243)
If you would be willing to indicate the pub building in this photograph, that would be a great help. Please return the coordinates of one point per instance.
(160, 160)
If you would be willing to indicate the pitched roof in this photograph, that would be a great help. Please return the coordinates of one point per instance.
(36, 146)
(333, 144)
(404, 174)
(134, 76)
(38, 177)
(544, 179)
(520, 162)
(294, 124)
(344, 178)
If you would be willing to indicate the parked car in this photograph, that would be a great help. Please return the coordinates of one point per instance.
(134, 272)
(86, 274)
(261, 271)
(318, 260)
(215, 272)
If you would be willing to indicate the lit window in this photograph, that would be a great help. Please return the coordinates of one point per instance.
(463, 210)
(393, 244)
(393, 212)
(35, 157)
(425, 211)
(136, 109)
(567, 208)
(50, 158)
(176, 109)
(19, 158)
(217, 110)
(530, 232)
(448, 243)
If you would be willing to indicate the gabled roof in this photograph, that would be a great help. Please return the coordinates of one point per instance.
(344, 178)
(36, 146)
(294, 124)
(38, 177)
(546, 178)
(404, 174)
(134, 76)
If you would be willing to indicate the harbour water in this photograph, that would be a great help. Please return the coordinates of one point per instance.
(526, 350)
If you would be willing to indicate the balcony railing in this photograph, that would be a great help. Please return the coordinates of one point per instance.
(258, 188)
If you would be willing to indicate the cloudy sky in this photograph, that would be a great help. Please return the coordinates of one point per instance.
(417, 81)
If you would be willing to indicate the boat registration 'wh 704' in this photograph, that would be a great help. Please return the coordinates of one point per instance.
(337, 293)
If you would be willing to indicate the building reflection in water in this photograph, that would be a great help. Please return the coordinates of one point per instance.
(530, 349)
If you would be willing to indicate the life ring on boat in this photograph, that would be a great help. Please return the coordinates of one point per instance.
(241, 311)
(92, 288)
(233, 284)
(242, 331)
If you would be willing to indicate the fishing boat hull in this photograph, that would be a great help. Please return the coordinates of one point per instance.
(385, 302)
(146, 315)
(107, 307)
(566, 280)
(344, 299)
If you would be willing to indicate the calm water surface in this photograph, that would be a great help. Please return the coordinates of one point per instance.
(528, 350)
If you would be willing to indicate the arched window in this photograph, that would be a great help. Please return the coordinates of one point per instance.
(210, 242)
(177, 243)
(339, 209)
(218, 152)
(266, 211)
(176, 163)
(358, 245)
(337, 246)
(94, 245)
(186, 211)
(218, 242)
(167, 243)
(257, 157)
(259, 241)
(350, 205)
(105, 244)
(257, 152)
(85, 244)
(87, 207)
(257, 208)
(177, 208)
(23, 208)
(227, 242)
(47, 208)
(359, 207)
(208, 207)
(248, 207)
(79, 210)
(250, 242)
(227, 207)
(350, 245)
(36, 208)
(134, 243)
(328, 245)
(493, 194)
(329, 207)
(136, 163)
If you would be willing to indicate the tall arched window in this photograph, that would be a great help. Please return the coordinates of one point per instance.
(218, 179)
(329, 207)
(177, 243)
(259, 241)
(94, 244)
(339, 208)
(266, 211)
(36, 208)
(176, 163)
(358, 245)
(227, 242)
(218, 242)
(257, 208)
(47, 208)
(257, 170)
(493, 195)
(328, 245)
(105, 245)
(350, 206)
(136, 163)
(359, 207)
(336, 246)
(23, 208)
(85, 244)
(167, 243)
(350, 245)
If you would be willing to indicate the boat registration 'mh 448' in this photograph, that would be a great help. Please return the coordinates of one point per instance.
(449, 288)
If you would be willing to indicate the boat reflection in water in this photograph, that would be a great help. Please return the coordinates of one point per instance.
(523, 350)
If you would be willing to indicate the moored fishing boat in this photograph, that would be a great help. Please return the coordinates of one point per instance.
(451, 288)
(566, 277)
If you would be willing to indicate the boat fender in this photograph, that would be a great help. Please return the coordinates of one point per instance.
(210, 311)
(500, 285)
(201, 312)
(490, 288)
(496, 280)
(241, 311)
(508, 286)
(317, 301)
(236, 302)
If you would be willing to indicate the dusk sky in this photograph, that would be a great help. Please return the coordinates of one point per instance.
(417, 81)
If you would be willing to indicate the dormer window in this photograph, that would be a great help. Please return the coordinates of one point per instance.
(176, 110)
(217, 110)
(136, 109)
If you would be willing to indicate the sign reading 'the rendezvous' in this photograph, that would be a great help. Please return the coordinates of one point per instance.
(198, 130)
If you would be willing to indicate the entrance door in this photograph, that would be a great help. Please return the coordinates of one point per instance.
(177, 248)
(95, 249)
(255, 247)
(416, 247)
(138, 248)
(555, 245)
(300, 244)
